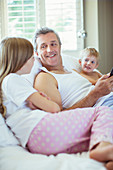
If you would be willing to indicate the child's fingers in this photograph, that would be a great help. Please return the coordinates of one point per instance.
(44, 95)
(31, 105)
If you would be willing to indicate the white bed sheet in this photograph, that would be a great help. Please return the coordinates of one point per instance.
(17, 158)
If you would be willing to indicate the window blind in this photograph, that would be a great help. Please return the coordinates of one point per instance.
(21, 18)
(64, 16)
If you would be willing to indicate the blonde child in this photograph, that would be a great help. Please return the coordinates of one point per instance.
(41, 131)
(89, 61)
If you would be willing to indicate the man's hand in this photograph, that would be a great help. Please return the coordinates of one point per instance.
(104, 85)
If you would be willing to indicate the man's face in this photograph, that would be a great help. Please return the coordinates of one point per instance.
(48, 49)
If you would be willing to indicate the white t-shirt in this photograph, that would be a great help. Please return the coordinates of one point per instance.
(21, 119)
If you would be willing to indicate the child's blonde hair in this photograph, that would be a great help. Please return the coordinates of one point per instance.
(14, 53)
(89, 52)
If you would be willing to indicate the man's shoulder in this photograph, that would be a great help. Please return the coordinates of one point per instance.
(45, 76)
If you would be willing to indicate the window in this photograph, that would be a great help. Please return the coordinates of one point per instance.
(21, 17)
(64, 16)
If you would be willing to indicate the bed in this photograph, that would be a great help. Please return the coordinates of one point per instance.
(15, 157)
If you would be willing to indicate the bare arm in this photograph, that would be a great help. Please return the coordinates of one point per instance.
(46, 83)
(103, 87)
(95, 81)
(91, 80)
(88, 101)
(41, 102)
(99, 75)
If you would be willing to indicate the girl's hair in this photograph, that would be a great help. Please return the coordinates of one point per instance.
(14, 53)
(89, 52)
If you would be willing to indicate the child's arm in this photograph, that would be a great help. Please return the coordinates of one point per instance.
(42, 102)
(32, 106)
(95, 81)
(99, 75)
(91, 79)
(87, 77)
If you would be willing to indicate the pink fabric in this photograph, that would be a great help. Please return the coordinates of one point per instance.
(72, 131)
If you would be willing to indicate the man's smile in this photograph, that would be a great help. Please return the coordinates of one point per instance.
(50, 56)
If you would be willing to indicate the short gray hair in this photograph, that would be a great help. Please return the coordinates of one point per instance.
(44, 30)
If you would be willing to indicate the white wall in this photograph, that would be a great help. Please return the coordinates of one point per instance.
(98, 15)
(105, 24)
(91, 23)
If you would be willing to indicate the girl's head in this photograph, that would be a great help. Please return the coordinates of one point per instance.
(14, 54)
(89, 59)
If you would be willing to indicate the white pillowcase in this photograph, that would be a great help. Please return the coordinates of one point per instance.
(6, 135)
(71, 62)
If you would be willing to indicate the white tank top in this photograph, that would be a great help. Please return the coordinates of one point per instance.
(72, 87)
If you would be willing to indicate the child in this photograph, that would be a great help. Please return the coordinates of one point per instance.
(42, 132)
(89, 60)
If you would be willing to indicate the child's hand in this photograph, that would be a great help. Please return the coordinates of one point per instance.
(44, 95)
(31, 105)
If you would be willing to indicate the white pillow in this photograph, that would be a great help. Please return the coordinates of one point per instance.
(36, 66)
(6, 135)
(71, 62)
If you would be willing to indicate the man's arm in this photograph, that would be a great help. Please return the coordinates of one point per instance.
(103, 87)
(46, 83)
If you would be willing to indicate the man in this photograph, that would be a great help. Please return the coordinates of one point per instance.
(69, 89)
(47, 46)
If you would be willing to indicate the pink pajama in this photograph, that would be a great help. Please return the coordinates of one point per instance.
(72, 131)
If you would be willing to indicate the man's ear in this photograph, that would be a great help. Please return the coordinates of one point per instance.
(80, 61)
